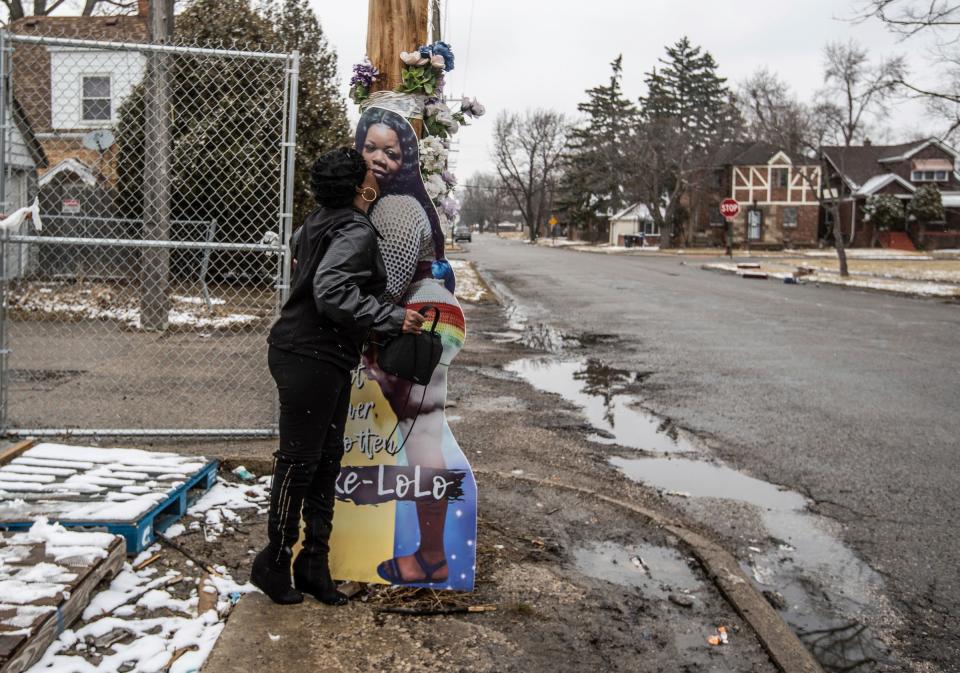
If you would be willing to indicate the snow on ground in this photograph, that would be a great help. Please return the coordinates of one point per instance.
(218, 506)
(920, 288)
(23, 585)
(469, 286)
(869, 253)
(150, 619)
(866, 282)
(87, 483)
(557, 242)
(733, 268)
(98, 302)
(607, 249)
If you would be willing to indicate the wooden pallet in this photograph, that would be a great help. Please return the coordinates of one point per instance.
(28, 628)
(135, 494)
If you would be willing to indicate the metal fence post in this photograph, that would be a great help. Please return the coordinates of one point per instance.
(290, 145)
(4, 87)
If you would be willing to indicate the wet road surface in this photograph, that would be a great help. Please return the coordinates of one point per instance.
(850, 398)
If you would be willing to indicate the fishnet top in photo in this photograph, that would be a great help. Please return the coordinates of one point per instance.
(407, 240)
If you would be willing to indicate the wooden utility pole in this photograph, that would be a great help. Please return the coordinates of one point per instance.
(394, 26)
(155, 271)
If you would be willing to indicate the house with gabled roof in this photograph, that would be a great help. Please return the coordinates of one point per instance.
(855, 173)
(67, 92)
(777, 192)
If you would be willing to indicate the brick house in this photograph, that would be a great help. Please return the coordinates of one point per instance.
(855, 173)
(67, 92)
(777, 192)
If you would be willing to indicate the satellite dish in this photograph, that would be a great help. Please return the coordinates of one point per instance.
(99, 140)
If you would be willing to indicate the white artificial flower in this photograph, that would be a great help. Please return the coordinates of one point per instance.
(412, 58)
(435, 186)
(433, 155)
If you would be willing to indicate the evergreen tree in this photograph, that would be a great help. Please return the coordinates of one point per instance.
(322, 119)
(596, 158)
(227, 118)
(926, 205)
(688, 89)
(687, 114)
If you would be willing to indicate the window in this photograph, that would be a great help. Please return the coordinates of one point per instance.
(928, 176)
(715, 218)
(789, 217)
(96, 99)
(779, 177)
(650, 228)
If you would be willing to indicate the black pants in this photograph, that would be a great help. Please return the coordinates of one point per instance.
(314, 397)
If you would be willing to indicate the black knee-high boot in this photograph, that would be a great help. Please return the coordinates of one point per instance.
(271, 567)
(311, 571)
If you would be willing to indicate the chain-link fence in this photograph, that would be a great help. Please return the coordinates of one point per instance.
(163, 175)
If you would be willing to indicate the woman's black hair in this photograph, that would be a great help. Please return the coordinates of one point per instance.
(409, 146)
(335, 176)
(407, 180)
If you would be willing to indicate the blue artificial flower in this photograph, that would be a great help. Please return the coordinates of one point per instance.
(425, 51)
(443, 271)
(444, 49)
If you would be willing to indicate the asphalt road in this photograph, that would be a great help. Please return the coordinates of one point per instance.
(850, 397)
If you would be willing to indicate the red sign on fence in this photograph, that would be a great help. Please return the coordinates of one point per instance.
(729, 208)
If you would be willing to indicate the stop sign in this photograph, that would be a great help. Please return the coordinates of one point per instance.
(729, 208)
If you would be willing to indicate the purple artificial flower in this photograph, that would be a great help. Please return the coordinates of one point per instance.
(472, 107)
(450, 207)
(364, 74)
(449, 178)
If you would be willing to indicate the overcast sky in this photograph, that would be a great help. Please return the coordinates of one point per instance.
(518, 54)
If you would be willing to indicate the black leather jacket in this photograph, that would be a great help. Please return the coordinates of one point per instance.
(335, 289)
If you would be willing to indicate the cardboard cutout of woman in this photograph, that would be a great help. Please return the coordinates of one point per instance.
(406, 510)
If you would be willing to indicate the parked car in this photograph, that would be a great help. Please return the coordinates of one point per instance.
(462, 232)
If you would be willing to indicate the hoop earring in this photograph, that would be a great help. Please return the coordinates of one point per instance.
(363, 194)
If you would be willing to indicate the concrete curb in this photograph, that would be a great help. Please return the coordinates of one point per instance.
(780, 642)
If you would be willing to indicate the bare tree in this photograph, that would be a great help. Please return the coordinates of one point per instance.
(771, 113)
(856, 89)
(527, 153)
(941, 18)
(856, 92)
(485, 201)
(909, 17)
(662, 169)
(18, 9)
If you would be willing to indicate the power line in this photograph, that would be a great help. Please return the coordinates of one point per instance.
(466, 67)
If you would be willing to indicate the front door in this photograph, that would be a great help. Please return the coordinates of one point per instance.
(754, 220)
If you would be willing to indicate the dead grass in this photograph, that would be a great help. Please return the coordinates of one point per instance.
(937, 270)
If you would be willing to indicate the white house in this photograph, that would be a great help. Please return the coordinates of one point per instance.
(634, 220)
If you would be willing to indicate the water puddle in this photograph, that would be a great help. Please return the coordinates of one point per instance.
(597, 388)
(825, 589)
(657, 571)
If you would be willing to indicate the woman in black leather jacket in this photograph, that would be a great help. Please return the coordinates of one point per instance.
(334, 301)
